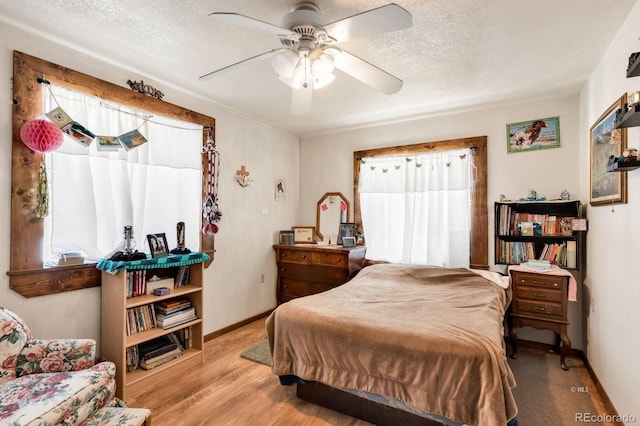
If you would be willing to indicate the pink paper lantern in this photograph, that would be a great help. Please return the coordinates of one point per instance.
(41, 135)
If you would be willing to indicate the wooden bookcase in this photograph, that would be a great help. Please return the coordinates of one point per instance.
(114, 339)
(512, 247)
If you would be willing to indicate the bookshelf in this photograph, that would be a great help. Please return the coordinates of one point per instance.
(118, 302)
(534, 230)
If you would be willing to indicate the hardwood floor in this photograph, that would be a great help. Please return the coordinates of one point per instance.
(229, 390)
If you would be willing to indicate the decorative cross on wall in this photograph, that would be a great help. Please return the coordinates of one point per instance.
(242, 177)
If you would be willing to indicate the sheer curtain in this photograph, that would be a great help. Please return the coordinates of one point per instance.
(94, 194)
(416, 208)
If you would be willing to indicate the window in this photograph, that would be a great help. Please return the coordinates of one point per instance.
(26, 273)
(95, 193)
(428, 207)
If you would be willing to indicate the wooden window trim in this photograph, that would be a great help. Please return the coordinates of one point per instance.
(479, 256)
(27, 274)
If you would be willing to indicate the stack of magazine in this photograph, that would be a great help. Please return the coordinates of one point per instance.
(155, 352)
(173, 312)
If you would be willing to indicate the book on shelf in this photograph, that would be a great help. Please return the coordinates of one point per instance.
(140, 318)
(159, 351)
(526, 229)
(133, 359)
(167, 307)
(136, 283)
(176, 318)
(182, 277)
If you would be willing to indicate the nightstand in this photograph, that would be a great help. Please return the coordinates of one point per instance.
(305, 269)
(540, 301)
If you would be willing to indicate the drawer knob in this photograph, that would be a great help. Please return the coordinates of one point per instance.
(283, 255)
(555, 284)
(539, 308)
(285, 285)
(304, 256)
(538, 295)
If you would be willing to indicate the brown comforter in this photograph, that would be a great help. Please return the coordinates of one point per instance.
(429, 336)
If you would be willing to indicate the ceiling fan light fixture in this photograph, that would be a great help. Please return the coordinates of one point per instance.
(322, 65)
(284, 63)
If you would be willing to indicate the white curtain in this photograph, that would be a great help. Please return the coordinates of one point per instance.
(94, 193)
(415, 209)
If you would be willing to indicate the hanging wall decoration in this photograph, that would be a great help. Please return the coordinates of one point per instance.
(85, 137)
(211, 214)
(41, 135)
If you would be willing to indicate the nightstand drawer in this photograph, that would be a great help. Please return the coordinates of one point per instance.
(332, 259)
(538, 293)
(542, 309)
(538, 280)
(296, 256)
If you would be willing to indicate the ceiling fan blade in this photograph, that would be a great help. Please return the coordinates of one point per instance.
(256, 24)
(367, 73)
(232, 67)
(375, 21)
(301, 100)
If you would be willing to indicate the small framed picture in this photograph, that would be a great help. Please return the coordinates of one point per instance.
(158, 245)
(348, 241)
(280, 190)
(578, 224)
(346, 229)
(304, 234)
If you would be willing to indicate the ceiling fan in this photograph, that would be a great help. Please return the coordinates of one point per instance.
(310, 52)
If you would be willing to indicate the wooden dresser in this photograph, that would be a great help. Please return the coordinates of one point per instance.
(305, 269)
(540, 301)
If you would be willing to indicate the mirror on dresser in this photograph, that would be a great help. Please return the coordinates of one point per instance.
(333, 209)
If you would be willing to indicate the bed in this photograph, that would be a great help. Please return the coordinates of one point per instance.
(423, 340)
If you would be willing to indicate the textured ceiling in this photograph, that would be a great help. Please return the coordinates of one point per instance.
(457, 54)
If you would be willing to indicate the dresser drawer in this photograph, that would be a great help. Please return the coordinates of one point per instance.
(539, 309)
(538, 293)
(538, 280)
(313, 273)
(297, 256)
(290, 289)
(332, 259)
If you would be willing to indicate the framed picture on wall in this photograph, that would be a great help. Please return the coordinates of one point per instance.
(605, 141)
(533, 135)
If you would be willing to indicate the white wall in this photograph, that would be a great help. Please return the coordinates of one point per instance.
(613, 321)
(326, 164)
(251, 216)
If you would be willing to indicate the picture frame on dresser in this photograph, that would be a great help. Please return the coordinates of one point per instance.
(605, 141)
(348, 242)
(304, 234)
(346, 229)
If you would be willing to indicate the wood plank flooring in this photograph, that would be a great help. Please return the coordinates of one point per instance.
(230, 390)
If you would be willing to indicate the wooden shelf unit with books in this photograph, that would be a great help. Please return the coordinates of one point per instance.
(115, 341)
(533, 230)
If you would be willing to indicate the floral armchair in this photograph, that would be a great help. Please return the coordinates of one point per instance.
(50, 382)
